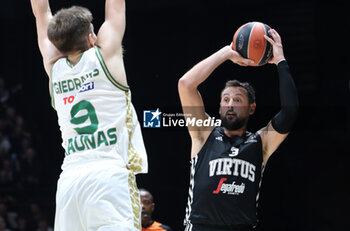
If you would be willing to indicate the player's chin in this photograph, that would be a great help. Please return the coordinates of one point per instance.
(231, 118)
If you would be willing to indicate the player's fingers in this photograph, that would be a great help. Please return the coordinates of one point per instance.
(245, 62)
(276, 37)
(250, 62)
(239, 59)
(272, 32)
(270, 40)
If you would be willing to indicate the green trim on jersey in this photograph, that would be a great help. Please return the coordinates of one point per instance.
(106, 71)
(52, 98)
(71, 64)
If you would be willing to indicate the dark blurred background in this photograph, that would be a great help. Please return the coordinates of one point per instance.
(305, 184)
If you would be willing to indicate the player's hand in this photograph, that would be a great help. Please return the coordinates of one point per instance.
(277, 47)
(235, 57)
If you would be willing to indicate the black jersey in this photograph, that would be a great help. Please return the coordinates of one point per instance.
(225, 181)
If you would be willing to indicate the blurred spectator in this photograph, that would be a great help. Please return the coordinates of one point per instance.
(19, 168)
(19, 136)
(148, 205)
(11, 117)
(3, 209)
(6, 174)
(43, 224)
(4, 93)
(30, 168)
(5, 145)
(5, 180)
(3, 225)
(35, 215)
(8, 95)
(22, 224)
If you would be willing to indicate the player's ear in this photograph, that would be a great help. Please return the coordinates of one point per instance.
(91, 39)
(252, 108)
(220, 106)
(153, 206)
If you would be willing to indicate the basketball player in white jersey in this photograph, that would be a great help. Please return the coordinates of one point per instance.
(101, 134)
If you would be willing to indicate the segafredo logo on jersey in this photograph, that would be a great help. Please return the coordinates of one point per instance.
(229, 188)
(87, 87)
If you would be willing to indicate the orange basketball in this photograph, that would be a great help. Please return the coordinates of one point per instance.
(249, 41)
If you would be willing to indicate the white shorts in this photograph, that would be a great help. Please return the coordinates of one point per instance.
(97, 196)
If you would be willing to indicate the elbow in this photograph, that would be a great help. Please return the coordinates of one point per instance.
(285, 119)
(181, 83)
(291, 112)
(295, 108)
(185, 84)
(290, 105)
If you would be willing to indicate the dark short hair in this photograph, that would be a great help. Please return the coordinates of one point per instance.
(146, 191)
(69, 28)
(245, 85)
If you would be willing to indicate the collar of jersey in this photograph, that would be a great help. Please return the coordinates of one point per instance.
(236, 141)
(71, 64)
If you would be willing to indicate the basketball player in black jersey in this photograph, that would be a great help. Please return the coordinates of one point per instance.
(227, 161)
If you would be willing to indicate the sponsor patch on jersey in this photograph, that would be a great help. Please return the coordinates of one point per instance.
(87, 87)
(251, 141)
(229, 188)
(219, 138)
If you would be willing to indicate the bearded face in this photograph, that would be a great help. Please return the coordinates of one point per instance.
(235, 108)
(231, 121)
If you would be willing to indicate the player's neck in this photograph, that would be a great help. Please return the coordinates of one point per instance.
(74, 57)
(147, 222)
(239, 132)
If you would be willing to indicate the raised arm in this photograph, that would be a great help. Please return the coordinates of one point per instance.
(191, 100)
(110, 36)
(278, 128)
(42, 13)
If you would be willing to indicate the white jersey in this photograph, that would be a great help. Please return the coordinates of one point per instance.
(95, 114)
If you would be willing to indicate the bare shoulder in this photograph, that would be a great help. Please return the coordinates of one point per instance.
(109, 40)
(50, 55)
(199, 141)
(271, 139)
(114, 65)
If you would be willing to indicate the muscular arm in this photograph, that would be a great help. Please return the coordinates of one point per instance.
(110, 36)
(42, 13)
(111, 33)
(190, 97)
(284, 120)
(278, 128)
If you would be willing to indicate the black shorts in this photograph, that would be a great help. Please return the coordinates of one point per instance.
(203, 227)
